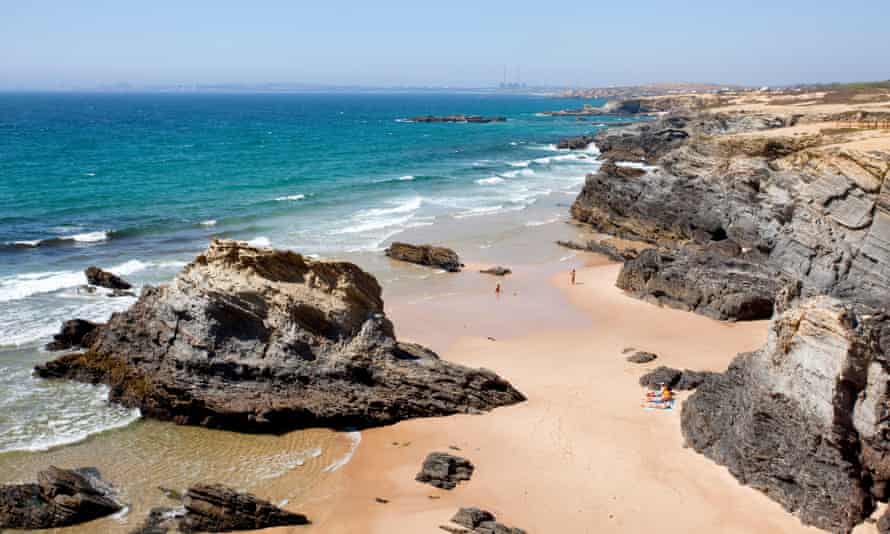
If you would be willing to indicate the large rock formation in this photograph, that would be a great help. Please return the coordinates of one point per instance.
(806, 418)
(60, 498)
(256, 339)
(428, 255)
(794, 204)
(708, 283)
(217, 508)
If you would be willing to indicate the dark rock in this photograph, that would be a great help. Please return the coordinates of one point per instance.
(216, 508)
(74, 333)
(675, 378)
(704, 282)
(254, 339)
(444, 470)
(161, 520)
(428, 255)
(661, 375)
(641, 357)
(471, 517)
(478, 521)
(609, 248)
(575, 143)
(806, 418)
(60, 498)
(98, 277)
(497, 271)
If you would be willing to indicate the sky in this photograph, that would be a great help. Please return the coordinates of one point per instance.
(52, 44)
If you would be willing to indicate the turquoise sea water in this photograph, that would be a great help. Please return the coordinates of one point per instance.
(139, 183)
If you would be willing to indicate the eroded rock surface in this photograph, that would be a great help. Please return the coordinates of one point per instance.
(255, 339)
(60, 498)
(74, 333)
(217, 508)
(796, 204)
(429, 255)
(474, 520)
(102, 278)
(444, 470)
(805, 418)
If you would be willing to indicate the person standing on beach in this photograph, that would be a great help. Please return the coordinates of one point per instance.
(573, 276)
(497, 290)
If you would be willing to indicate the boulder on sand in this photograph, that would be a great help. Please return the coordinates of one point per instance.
(217, 508)
(428, 255)
(98, 277)
(60, 498)
(262, 340)
(444, 470)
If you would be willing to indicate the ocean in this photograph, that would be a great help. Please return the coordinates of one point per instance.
(138, 184)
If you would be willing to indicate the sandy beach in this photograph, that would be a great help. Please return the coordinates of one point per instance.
(580, 455)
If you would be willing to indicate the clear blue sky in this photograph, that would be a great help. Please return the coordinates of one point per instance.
(54, 43)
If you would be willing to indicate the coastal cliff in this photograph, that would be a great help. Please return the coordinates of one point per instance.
(261, 340)
(780, 212)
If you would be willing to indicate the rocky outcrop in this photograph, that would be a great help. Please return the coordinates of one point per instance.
(74, 333)
(575, 143)
(217, 508)
(806, 418)
(497, 271)
(477, 521)
(60, 498)
(705, 282)
(798, 205)
(255, 339)
(675, 378)
(444, 470)
(429, 255)
(457, 118)
(98, 277)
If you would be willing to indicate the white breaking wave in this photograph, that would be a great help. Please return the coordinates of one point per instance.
(542, 223)
(378, 218)
(28, 284)
(522, 163)
(406, 177)
(356, 438)
(291, 197)
(88, 237)
(490, 181)
(260, 241)
(209, 222)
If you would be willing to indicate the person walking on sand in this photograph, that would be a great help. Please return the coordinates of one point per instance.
(497, 290)
(573, 276)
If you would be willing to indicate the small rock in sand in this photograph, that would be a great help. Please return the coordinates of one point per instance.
(497, 271)
(641, 357)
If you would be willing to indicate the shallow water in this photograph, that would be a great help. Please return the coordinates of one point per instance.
(150, 454)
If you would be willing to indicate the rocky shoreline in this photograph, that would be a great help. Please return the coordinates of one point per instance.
(260, 340)
(759, 215)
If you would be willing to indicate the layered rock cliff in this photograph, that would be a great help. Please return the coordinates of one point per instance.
(795, 204)
(256, 339)
(806, 418)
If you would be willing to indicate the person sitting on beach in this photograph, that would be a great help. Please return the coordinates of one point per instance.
(660, 400)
